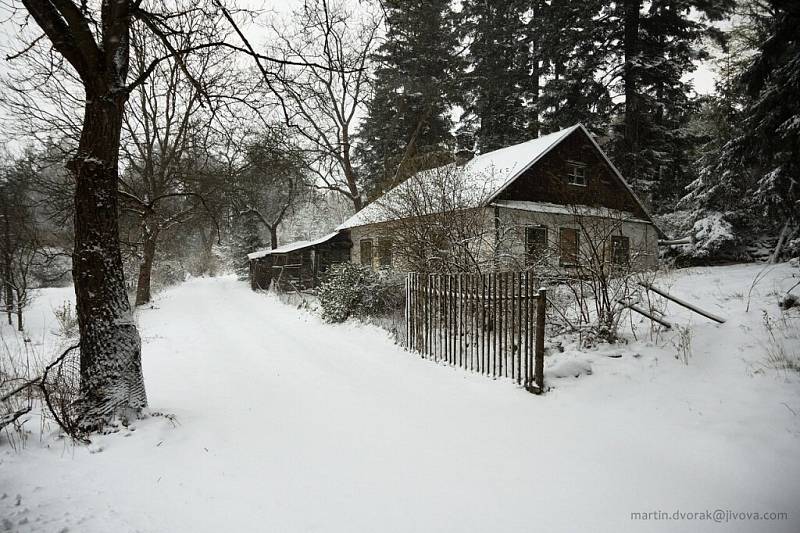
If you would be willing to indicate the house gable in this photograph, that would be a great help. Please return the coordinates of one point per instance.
(546, 180)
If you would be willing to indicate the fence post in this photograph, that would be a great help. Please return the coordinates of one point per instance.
(541, 306)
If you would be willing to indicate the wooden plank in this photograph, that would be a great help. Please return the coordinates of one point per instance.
(483, 322)
(527, 306)
(646, 314)
(515, 299)
(446, 318)
(541, 309)
(428, 314)
(684, 303)
(461, 310)
(407, 311)
(497, 367)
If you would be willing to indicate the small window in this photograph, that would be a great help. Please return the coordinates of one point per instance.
(366, 252)
(576, 173)
(620, 249)
(385, 253)
(535, 243)
(568, 246)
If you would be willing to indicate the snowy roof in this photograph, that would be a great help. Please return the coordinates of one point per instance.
(292, 246)
(484, 177)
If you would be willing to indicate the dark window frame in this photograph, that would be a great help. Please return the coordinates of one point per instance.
(575, 254)
(533, 253)
(577, 174)
(361, 248)
(385, 253)
(620, 242)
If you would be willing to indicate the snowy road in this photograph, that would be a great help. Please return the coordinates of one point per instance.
(288, 424)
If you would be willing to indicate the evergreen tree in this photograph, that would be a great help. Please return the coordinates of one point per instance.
(748, 164)
(498, 56)
(245, 238)
(770, 143)
(657, 48)
(572, 49)
(407, 127)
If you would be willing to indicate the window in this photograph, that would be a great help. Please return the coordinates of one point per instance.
(535, 243)
(366, 252)
(576, 173)
(568, 246)
(620, 249)
(385, 253)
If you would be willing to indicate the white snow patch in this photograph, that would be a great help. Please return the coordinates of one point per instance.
(284, 423)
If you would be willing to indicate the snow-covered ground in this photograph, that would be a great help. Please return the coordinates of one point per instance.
(288, 424)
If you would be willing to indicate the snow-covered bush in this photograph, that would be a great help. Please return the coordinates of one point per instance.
(713, 236)
(354, 290)
(343, 293)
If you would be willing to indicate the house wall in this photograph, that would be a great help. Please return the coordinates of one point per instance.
(504, 238)
(592, 230)
(546, 181)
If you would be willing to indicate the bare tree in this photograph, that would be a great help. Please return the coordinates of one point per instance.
(326, 95)
(20, 244)
(270, 183)
(92, 42)
(165, 121)
(435, 222)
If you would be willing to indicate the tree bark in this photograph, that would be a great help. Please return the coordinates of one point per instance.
(146, 266)
(630, 78)
(110, 364)
(273, 236)
(9, 291)
(19, 315)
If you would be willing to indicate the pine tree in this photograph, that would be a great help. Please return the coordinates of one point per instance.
(746, 150)
(498, 56)
(770, 142)
(407, 125)
(572, 49)
(245, 238)
(657, 48)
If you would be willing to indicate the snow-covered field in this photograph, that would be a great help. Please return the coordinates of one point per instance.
(288, 424)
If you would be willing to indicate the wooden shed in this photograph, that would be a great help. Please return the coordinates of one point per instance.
(298, 265)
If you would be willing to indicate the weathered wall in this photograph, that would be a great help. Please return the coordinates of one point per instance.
(507, 237)
(592, 231)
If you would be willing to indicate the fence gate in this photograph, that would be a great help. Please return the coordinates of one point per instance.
(487, 323)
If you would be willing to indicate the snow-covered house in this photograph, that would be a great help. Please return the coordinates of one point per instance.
(534, 199)
(538, 195)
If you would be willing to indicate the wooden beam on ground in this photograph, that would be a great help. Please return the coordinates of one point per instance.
(684, 303)
(641, 311)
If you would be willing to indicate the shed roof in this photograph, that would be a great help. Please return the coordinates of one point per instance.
(292, 246)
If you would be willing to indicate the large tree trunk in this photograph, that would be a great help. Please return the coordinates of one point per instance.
(630, 78)
(9, 291)
(19, 315)
(273, 236)
(146, 266)
(110, 365)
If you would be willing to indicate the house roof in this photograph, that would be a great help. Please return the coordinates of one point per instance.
(292, 246)
(486, 176)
